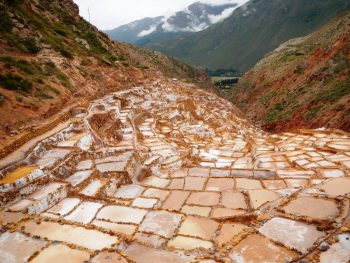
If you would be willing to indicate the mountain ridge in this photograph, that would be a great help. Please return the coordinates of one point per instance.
(194, 18)
(252, 30)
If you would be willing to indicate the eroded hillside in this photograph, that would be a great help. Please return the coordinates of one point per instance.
(51, 60)
(303, 83)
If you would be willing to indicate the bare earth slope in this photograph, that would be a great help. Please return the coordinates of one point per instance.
(51, 58)
(303, 83)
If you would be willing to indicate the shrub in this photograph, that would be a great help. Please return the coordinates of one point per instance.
(299, 70)
(49, 66)
(56, 91)
(15, 82)
(63, 79)
(312, 113)
(65, 52)
(5, 21)
(61, 32)
(31, 45)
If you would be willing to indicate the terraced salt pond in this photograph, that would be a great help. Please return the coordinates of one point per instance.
(18, 173)
(170, 173)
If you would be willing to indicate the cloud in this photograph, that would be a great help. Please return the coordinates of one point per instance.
(226, 13)
(108, 14)
(148, 31)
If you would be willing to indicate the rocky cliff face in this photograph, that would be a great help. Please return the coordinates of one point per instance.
(51, 58)
(303, 83)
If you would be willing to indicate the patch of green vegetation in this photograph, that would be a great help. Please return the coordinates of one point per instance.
(266, 99)
(215, 79)
(20, 64)
(65, 52)
(5, 21)
(86, 62)
(31, 45)
(282, 110)
(61, 31)
(299, 70)
(89, 34)
(289, 56)
(44, 6)
(300, 90)
(42, 94)
(15, 82)
(313, 111)
(52, 70)
(224, 72)
(338, 91)
(121, 58)
(56, 91)
(14, 42)
(28, 45)
(53, 33)
(341, 65)
(64, 79)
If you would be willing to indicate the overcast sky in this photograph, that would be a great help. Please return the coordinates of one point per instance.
(108, 14)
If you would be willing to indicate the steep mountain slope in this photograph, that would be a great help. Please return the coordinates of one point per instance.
(251, 31)
(303, 83)
(51, 59)
(196, 17)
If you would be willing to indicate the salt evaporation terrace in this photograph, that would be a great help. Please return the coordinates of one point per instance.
(164, 173)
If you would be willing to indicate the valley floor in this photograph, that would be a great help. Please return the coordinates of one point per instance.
(170, 173)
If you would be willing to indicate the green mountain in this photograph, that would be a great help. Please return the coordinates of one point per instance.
(253, 30)
(305, 83)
